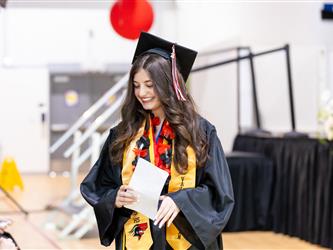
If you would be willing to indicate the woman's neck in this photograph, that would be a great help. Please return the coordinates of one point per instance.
(159, 113)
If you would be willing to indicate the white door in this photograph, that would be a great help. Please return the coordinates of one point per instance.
(24, 132)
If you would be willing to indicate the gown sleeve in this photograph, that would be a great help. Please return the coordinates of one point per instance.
(99, 189)
(205, 210)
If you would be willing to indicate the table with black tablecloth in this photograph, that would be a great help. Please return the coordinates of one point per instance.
(252, 177)
(302, 192)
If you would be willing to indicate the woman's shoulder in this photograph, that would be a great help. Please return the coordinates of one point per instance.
(113, 132)
(114, 128)
(206, 125)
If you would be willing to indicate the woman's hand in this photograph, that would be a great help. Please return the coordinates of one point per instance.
(125, 196)
(6, 243)
(4, 223)
(167, 211)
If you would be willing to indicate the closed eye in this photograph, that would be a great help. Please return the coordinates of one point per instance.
(148, 84)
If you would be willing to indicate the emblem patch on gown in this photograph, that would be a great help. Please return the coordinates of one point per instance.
(139, 229)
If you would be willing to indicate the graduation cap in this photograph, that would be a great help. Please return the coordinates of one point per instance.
(149, 43)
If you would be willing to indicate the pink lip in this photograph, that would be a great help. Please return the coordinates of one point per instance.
(146, 101)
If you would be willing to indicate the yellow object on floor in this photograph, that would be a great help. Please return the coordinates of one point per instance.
(9, 175)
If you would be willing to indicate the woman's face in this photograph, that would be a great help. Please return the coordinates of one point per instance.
(145, 93)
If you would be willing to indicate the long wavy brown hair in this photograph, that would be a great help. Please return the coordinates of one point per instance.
(181, 115)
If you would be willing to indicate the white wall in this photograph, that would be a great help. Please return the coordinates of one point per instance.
(311, 39)
(205, 24)
(22, 133)
(48, 36)
(33, 36)
(210, 25)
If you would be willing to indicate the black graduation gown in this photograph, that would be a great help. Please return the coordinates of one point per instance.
(204, 210)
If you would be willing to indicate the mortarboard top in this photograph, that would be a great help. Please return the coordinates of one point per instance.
(149, 43)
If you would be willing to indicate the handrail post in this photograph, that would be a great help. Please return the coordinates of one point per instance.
(75, 157)
(95, 145)
(102, 118)
(254, 91)
(290, 84)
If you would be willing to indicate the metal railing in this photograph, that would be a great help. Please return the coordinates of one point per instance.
(88, 114)
(81, 222)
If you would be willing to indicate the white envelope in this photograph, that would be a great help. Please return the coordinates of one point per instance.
(148, 181)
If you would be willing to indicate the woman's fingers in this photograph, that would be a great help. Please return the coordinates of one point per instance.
(172, 218)
(126, 196)
(161, 213)
(166, 217)
(126, 188)
(167, 212)
(125, 200)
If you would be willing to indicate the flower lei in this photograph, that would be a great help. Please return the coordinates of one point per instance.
(162, 147)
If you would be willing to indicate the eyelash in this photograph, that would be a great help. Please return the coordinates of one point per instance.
(148, 86)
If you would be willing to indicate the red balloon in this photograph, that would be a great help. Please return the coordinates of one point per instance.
(130, 17)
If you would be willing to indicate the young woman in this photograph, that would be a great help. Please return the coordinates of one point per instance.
(160, 124)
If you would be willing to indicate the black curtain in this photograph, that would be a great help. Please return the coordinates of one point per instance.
(303, 185)
(252, 176)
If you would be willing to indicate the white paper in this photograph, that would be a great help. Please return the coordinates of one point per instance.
(147, 181)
